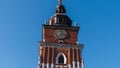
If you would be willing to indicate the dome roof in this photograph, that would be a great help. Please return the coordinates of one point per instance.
(60, 18)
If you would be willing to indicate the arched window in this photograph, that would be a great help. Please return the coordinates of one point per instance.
(61, 58)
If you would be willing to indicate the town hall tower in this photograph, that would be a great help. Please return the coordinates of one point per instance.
(59, 47)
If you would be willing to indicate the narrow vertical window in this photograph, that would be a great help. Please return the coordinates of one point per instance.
(60, 20)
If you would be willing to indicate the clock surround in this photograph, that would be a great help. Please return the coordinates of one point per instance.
(60, 34)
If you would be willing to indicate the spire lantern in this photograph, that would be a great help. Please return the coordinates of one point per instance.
(60, 1)
(60, 18)
(60, 8)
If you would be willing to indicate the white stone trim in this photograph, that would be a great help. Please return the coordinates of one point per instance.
(77, 42)
(47, 65)
(55, 19)
(59, 54)
(43, 65)
(73, 64)
(78, 64)
(43, 35)
(56, 45)
(69, 65)
(52, 65)
(40, 50)
(82, 63)
(38, 61)
(38, 65)
(50, 22)
(61, 66)
(40, 53)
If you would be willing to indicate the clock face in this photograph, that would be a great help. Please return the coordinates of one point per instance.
(60, 34)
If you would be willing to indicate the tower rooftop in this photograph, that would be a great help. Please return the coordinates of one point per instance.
(60, 18)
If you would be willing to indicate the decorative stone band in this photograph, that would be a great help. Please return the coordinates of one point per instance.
(58, 45)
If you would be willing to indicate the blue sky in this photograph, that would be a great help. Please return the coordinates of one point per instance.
(20, 30)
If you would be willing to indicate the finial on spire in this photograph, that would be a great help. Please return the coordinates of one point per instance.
(75, 23)
(45, 22)
(60, 1)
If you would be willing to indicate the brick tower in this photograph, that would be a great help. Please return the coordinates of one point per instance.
(59, 47)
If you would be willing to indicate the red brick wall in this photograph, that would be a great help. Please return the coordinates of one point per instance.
(72, 35)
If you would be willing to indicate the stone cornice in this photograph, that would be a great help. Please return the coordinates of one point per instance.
(60, 45)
